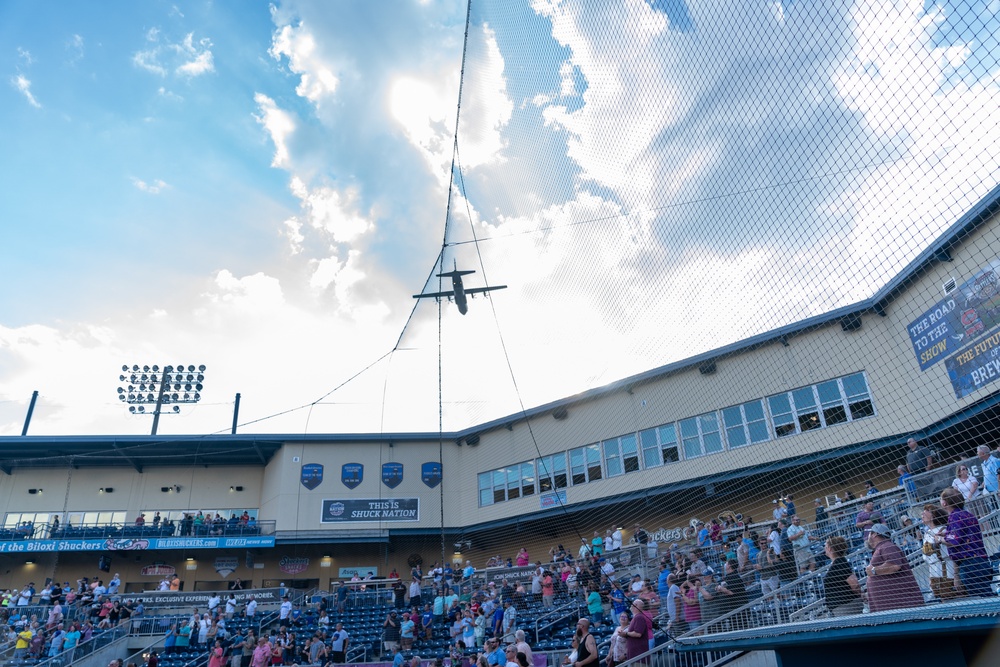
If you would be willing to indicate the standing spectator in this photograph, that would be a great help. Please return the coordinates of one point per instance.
(891, 584)
(217, 655)
(940, 568)
(390, 632)
(870, 489)
(262, 654)
(637, 642)
(415, 593)
(673, 604)
(251, 609)
(339, 642)
(866, 518)
(586, 650)
(767, 566)
(965, 545)
(919, 459)
(800, 539)
(597, 545)
(548, 590)
(342, 592)
(991, 469)
(965, 483)
(618, 650)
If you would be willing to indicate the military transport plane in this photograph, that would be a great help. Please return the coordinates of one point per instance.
(458, 291)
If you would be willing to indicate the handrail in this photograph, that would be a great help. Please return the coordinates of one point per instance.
(559, 614)
(98, 640)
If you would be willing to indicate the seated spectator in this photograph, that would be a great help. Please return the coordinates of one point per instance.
(841, 587)
(891, 584)
(870, 489)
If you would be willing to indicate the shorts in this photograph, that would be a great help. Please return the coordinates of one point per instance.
(804, 558)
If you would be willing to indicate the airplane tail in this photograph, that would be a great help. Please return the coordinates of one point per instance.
(452, 274)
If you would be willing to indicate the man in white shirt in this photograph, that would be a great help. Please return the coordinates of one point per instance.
(585, 551)
(286, 609)
(213, 603)
(636, 586)
(230, 606)
(616, 539)
(114, 584)
(251, 608)
(673, 597)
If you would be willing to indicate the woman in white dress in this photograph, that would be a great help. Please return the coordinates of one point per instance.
(618, 651)
(966, 483)
(940, 568)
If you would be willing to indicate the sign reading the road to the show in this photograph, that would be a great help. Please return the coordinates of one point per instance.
(375, 509)
(958, 319)
(976, 366)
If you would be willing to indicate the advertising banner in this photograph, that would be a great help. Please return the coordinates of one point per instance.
(976, 366)
(152, 599)
(960, 318)
(373, 509)
(136, 544)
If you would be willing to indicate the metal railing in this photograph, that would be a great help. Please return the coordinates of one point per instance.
(85, 648)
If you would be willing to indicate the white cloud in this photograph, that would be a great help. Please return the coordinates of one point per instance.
(23, 85)
(317, 80)
(25, 56)
(75, 48)
(186, 58)
(279, 124)
(333, 211)
(197, 57)
(153, 188)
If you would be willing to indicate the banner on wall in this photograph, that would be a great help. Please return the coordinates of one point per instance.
(976, 366)
(375, 509)
(293, 565)
(352, 474)
(130, 544)
(158, 570)
(226, 565)
(430, 473)
(392, 474)
(312, 475)
(963, 316)
(361, 571)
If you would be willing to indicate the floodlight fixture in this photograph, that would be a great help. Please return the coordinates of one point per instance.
(155, 386)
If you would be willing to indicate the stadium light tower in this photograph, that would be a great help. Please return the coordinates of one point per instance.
(147, 385)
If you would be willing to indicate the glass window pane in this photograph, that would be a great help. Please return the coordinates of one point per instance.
(499, 495)
(514, 475)
(758, 431)
(668, 435)
(629, 444)
(614, 466)
(593, 454)
(692, 448)
(484, 480)
(485, 497)
(732, 416)
(809, 421)
(689, 428)
(558, 463)
(736, 437)
(829, 392)
(780, 405)
(650, 449)
(804, 399)
(754, 410)
(713, 442)
(499, 478)
(576, 457)
(855, 385)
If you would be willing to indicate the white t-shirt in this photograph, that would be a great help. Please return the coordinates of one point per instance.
(251, 607)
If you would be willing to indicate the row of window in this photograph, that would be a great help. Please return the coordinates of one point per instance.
(15, 519)
(816, 406)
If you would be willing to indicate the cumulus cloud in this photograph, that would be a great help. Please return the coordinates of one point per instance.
(197, 58)
(317, 80)
(22, 84)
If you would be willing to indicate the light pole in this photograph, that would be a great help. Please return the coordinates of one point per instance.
(149, 386)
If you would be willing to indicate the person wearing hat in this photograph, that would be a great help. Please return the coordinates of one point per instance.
(891, 584)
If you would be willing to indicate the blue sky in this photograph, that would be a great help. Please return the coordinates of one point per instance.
(262, 188)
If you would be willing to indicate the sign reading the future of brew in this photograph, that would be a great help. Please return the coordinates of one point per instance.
(375, 509)
(351, 474)
(976, 366)
(960, 318)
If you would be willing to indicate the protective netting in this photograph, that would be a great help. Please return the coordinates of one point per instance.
(654, 181)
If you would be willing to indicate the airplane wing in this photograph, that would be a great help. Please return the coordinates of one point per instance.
(483, 290)
(433, 295)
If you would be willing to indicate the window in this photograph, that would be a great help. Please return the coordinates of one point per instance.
(659, 446)
(781, 415)
(805, 409)
(552, 473)
(621, 455)
(36, 519)
(528, 478)
(700, 435)
(485, 489)
(821, 405)
(585, 464)
(745, 424)
(859, 400)
(513, 482)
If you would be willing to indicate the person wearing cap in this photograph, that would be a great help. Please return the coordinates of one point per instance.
(891, 584)
(636, 586)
